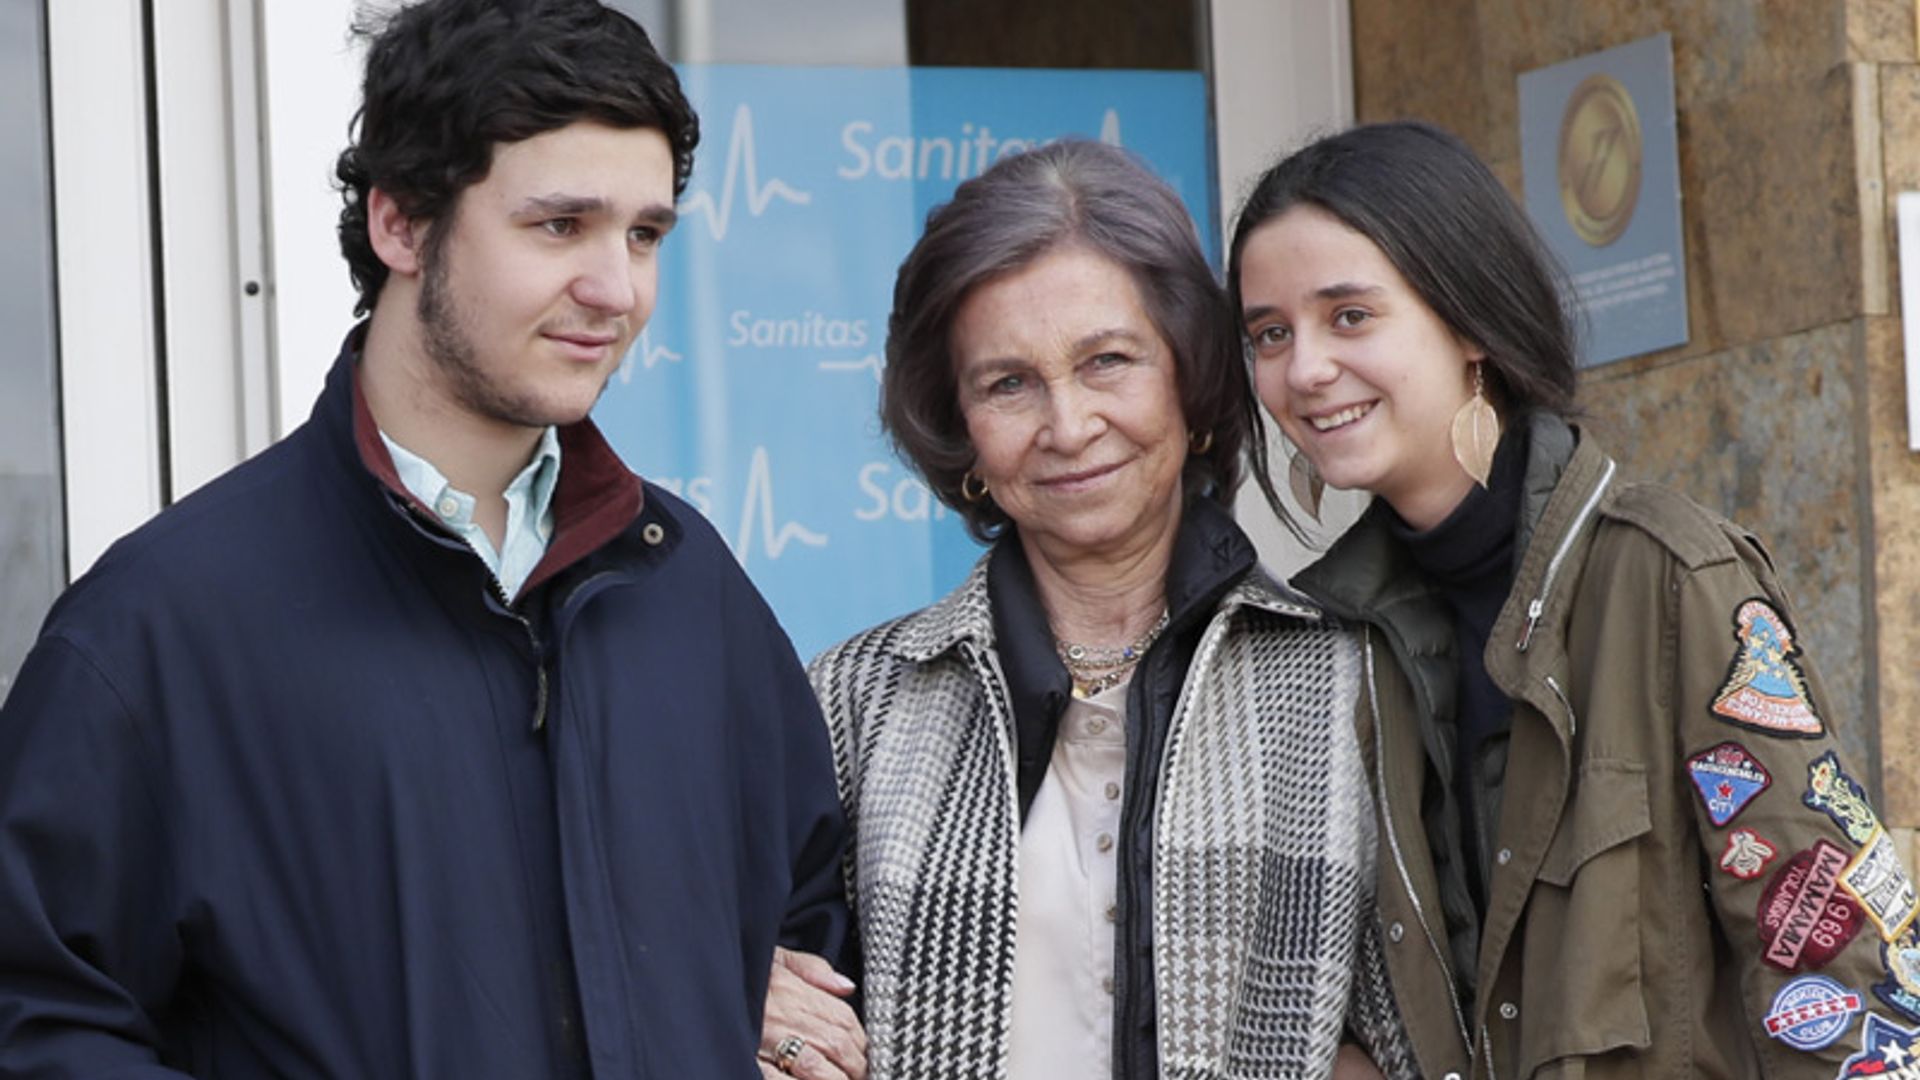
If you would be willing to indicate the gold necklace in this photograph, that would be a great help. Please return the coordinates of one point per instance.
(1097, 668)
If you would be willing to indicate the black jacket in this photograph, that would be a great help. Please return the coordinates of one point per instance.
(287, 790)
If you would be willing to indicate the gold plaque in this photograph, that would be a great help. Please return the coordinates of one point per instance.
(1600, 149)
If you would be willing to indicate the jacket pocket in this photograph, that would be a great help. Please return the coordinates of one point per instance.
(1580, 992)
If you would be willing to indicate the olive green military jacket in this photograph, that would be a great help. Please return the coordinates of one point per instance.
(1686, 879)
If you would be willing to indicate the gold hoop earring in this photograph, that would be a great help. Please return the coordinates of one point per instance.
(972, 488)
(1198, 443)
(1306, 483)
(1476, 432)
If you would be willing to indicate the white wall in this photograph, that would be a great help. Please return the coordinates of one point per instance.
(103, 245)
(310, 71)
(1283, 73)
(201, 287)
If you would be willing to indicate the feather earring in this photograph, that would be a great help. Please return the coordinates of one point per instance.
(1476, 432)
(1306, 483)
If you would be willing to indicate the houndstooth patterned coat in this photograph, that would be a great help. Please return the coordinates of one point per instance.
(1263, 844)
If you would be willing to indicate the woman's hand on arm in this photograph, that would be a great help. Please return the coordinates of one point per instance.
(806, 998)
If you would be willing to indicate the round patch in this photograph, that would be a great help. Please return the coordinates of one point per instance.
(1811, 1012)
(1804, 918)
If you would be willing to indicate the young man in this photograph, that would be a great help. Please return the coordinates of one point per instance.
(431, 742)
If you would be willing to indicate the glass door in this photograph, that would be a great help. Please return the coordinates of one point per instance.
(33, 546)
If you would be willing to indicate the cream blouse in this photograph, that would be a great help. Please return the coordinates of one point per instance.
(1063, 946)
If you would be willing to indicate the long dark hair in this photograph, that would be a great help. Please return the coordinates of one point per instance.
(1446, 223)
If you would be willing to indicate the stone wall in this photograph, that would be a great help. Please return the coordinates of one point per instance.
(1786, 409)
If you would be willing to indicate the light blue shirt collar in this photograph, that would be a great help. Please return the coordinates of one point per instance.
(529, 508)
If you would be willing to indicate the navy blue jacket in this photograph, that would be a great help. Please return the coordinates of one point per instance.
(286, 789)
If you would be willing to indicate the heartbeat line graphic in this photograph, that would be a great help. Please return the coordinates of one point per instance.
(870, 362)
(757, 509)
(741, 158)
(648, 354)
(1110, 128)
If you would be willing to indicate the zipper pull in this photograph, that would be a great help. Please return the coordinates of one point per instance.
(1533, 616)
(540, 699)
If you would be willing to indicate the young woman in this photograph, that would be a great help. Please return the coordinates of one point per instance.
(1616, 838)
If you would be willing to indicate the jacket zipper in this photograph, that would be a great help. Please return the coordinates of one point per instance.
(441, 534)
(1573, 723)
(1539, 601)
(1399, 860)
(533, 639)
(539, 660)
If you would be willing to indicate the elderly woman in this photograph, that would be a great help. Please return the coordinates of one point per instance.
(1110, 814)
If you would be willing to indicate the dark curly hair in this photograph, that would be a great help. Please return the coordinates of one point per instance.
(448, 80)
(1062, 194)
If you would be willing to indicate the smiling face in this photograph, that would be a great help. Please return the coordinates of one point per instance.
(1359, 372)
(1071, 400)
(546, 273)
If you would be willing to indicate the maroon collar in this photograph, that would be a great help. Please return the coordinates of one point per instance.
(596, 498)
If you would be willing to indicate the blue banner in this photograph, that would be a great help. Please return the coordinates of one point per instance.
(753, 391)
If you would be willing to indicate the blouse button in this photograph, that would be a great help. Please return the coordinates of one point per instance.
(1104, 842)
(1113, 790)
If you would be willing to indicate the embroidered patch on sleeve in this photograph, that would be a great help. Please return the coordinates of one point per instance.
(1728, 778)
(1887, 1052)
(1876, 879)
(1765, 690)
(1902, 959)
(1746, 855)
(1804, 919)
(1831, 791)
(1811, 1012)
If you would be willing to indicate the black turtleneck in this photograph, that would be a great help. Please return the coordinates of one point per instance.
(1469, 558)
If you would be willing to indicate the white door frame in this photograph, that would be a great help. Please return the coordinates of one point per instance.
(1282, 74)
(136, 286)
(103, 266)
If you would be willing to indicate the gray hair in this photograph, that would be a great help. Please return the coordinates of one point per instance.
(1066, 193)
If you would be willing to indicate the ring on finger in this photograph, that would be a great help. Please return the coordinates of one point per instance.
(787, 1051)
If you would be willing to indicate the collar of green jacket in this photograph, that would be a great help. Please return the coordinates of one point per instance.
(1366, 576)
